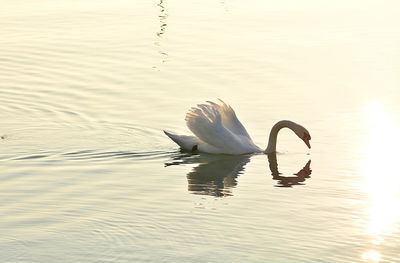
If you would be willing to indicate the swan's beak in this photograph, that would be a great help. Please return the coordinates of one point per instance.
(306, 139)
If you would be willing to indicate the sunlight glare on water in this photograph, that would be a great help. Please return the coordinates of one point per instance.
(380, 171)
(372, 255)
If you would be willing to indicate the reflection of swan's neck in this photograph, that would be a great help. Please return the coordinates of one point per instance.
(273, 164)
(273, 135)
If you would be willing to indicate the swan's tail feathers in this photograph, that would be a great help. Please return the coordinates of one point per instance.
(167, 133)
(173, 137)
(187, 143)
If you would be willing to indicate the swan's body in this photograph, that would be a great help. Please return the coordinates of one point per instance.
(218, 130)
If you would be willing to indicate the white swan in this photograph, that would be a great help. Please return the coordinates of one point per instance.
(218, 130)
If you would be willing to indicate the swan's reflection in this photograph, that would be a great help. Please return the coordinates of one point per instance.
(216, 175)
(288, 181)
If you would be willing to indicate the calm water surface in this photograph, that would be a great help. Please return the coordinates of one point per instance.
(86, 88)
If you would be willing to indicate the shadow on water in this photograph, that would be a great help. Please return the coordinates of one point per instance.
(216, 175)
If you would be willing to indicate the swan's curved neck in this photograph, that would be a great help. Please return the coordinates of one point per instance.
(273, 135)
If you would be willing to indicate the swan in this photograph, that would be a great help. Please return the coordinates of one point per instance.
(217, 130)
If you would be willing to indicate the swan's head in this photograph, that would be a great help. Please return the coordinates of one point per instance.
(303, 134)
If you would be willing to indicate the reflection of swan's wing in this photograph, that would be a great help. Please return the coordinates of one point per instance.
(208, 121)
(216, 176)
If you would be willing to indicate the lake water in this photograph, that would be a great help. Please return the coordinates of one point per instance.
(87, 175)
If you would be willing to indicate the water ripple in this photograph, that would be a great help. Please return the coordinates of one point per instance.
(89, 154)
(93, 155)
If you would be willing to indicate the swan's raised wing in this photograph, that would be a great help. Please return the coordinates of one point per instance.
(206, 122)
(229, 118)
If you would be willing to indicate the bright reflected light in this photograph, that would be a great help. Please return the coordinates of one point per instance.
(380, 168)
(372, 255)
